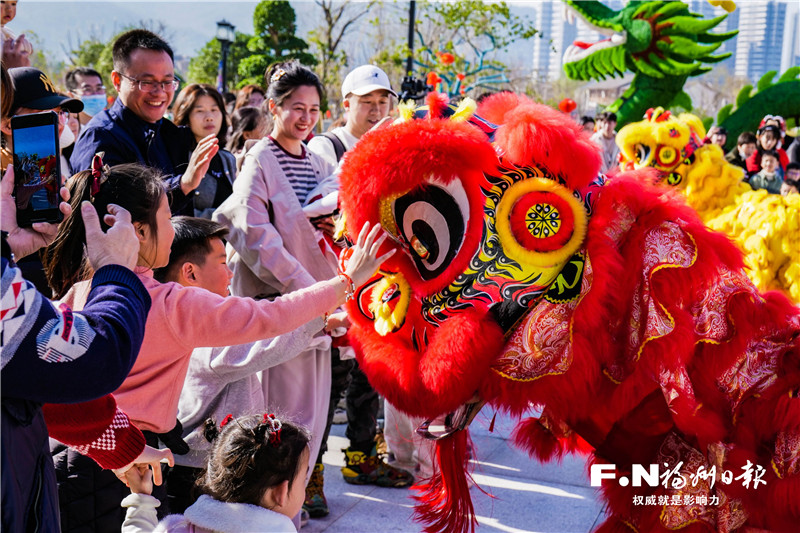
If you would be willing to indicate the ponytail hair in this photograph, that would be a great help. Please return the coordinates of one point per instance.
(137, 188)
(247, 457)
(283, 78)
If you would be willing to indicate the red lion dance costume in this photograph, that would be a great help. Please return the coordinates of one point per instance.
(528, 279)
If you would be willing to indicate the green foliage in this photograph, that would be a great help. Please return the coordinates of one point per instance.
(744, 95)
(274, 40)
(204, 66)
(338, 18)
(768, 98)
(250, 55)
(456, 27)
(766, 80)
(724, 113)
(790, 74)
(467, 20)
(683, 101)
(88, 53)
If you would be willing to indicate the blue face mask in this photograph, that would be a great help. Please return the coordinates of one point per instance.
(93, 104)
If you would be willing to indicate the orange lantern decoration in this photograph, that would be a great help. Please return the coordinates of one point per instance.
(433, 79)
(446, 58)
(567, 105)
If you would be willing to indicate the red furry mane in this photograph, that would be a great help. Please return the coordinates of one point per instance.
(537, 135)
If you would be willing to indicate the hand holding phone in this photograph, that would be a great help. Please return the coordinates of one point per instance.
(25, 241)
(37, 167)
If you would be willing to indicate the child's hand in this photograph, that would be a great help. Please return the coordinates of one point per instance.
(150, 457)
(337, 320)
(140, 479)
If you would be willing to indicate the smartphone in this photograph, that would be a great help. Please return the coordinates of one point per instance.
(37, 168)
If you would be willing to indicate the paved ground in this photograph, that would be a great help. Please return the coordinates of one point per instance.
(527, 496)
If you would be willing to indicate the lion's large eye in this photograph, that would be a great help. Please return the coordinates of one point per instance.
(642, 154)
(433, 219)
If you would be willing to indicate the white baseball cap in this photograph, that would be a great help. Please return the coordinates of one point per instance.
(365, 79)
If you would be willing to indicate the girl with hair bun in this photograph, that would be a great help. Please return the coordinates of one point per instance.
(254, 481)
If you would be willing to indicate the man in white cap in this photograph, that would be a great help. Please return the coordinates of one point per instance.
(367, 98)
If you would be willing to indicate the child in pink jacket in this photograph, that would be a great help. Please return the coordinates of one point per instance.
(182, 318)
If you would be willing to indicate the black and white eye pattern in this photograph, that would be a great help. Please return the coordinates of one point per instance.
(433, 218)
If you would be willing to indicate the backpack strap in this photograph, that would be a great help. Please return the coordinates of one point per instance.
(338, 145)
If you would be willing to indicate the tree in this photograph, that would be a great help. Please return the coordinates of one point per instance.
(204, 66)
(274, 40)
(458, 38)
(97, 53)
(87, 53)
(338, 20)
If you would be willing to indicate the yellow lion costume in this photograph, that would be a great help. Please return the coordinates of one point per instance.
(765, 226)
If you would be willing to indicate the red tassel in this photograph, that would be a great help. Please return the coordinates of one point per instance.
(491, 424)
(444, 502)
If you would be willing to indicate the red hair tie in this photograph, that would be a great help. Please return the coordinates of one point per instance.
(276, 426)
(225, 421)
(99, 173)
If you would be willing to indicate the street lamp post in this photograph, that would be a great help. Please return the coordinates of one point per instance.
(225, 36)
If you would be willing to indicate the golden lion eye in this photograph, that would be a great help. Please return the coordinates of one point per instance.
(666, 155)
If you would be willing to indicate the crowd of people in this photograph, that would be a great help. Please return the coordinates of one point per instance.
(769, 158)
(270, 197)
(190, 298)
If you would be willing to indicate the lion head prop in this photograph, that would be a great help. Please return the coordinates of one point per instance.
(524, 277)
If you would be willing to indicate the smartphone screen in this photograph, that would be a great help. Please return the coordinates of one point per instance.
(37, 168)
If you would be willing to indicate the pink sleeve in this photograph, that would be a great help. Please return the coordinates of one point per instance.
(199, 318)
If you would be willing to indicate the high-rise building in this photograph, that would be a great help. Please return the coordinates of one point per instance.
(768, 38)
(760, 41)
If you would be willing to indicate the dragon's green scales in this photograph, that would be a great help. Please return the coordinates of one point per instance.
(663, 43)
(778, 98)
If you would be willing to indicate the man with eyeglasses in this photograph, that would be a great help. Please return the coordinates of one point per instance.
(86, 84)
(134, 129)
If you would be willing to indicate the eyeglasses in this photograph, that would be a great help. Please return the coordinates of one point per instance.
(152, 86)
(89, 90)
(63, 115)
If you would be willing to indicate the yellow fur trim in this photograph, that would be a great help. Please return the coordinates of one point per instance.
(727, 5)
(465, 110)
(405, 111)
(387, 214)
(387, 320)
(340, 226)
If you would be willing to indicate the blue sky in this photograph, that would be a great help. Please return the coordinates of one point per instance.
(59, 23)
(37, 140)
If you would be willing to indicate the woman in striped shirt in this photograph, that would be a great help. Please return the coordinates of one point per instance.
(277, 249)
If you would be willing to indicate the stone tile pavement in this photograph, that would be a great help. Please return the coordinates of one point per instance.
(526, 496)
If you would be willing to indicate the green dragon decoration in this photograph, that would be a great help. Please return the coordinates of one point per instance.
(768, 97)
(663, 43)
